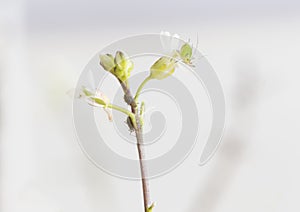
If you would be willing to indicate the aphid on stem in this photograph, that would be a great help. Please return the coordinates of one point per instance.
(130, 124)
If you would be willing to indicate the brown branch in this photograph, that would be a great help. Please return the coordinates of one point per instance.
(139, 137)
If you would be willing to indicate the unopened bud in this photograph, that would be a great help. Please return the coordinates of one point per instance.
(124, 66)
(162, 68)
(107, 62)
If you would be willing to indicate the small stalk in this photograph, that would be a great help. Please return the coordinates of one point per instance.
(123, 110)
(140, 88)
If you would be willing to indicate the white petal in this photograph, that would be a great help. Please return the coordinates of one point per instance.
(72, 93)
(169, 42)
(165, 42)
(91, 79)
(166, 33)
(102, 96)
(109, 114)
(175, 42)
(176, 36)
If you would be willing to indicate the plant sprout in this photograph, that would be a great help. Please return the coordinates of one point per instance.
(120, 66)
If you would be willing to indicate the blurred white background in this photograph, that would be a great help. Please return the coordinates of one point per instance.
(254, 47)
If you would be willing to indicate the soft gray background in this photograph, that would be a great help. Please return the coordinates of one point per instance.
(254, 47)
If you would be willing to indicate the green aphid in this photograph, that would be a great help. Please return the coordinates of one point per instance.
(186, 54)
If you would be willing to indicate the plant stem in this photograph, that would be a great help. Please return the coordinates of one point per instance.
(141, 87)
(145, 184)
(139, 137)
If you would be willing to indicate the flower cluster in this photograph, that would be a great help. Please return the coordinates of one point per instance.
(165, 66)
(120, 65)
